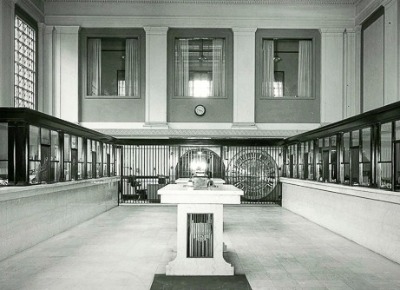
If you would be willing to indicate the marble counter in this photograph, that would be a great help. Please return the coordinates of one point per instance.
(194, 231)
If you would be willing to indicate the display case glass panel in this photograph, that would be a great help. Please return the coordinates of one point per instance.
(3, 154)
(332, 159)
(112, 161)
(355, 172)
(55, 157)
(106, 160)
(385, 157)
(99, 151)
(397, 130)
(67, 157)
(301, 160)
(318, 159)
(366, 169)
(45, 136)
(81, 158)
(310, 161)
(345, 166)
(89, 159)
(34, 155)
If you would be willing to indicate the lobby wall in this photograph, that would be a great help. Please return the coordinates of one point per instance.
(244, 20)
(366, 216)
(32, 214)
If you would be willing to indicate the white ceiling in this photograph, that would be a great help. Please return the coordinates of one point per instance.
(225, 2)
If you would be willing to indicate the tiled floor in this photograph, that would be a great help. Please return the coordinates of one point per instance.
(125, 247)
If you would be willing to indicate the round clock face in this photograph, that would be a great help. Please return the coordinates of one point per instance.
(200, 110)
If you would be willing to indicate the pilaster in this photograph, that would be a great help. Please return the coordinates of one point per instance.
(244, 77)
(65, 73)
(349, 74)
(47, 72)
(391, 52)
(156, 77)
(332, 83)
(40, 68)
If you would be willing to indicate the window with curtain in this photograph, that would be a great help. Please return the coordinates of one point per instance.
(199, 67)
(25, 62)
(112, 62)
(287, 68)
(113, 67)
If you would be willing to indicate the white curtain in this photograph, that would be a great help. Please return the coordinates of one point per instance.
(218, 67)
(304, 85)
(131, 67)
(268, 69)
(94, 67)
(182, 67)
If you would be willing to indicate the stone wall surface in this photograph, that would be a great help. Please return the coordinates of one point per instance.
(369, 217)
(32, 214)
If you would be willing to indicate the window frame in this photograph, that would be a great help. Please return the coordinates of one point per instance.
(295, 34)
(225, 33)
(29, 20)
(86, 33)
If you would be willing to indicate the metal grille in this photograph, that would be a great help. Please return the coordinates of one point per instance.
(255, 170)
(25, 64)
(200, 235)
(147, 168)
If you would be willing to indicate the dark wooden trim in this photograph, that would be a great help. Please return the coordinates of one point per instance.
(373, 17)
(208, 142)
(40, 119)
(383, 114)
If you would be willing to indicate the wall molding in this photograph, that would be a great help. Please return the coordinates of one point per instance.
(224, 2)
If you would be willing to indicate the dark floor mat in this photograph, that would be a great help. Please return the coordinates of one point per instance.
(163, 282)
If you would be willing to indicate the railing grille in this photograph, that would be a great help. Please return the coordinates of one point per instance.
(200, 235)
(147, 168)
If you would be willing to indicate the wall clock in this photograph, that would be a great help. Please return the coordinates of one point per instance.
(200, 110)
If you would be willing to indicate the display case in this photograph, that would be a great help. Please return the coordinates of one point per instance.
(363, 150)
(3, 153)
(36, 149)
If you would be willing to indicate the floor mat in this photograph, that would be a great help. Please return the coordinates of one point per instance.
(163, 282)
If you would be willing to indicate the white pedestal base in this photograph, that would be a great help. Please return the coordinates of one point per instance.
(182, 265)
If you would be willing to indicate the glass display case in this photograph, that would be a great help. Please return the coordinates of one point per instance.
(3, 154)
(309, 159)
(81, 158)
(366, 157)
(345, 159)
(385, 157)
(363, 150)
(55, 156)
(36, 148)
(34, 155)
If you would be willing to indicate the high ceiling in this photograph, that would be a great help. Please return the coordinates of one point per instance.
(231, 2)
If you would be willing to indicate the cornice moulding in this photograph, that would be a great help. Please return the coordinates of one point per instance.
(190, 22)
(219, 2)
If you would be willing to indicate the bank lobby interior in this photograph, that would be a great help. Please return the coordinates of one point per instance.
(104, 104)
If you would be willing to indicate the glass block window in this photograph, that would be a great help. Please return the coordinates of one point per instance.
(24, 61)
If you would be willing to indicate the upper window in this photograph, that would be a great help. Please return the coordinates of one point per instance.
(25, 35)
(113, 62)
(288, 61)
(199, 62)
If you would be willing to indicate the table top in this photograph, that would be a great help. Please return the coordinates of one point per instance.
(186, 180)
